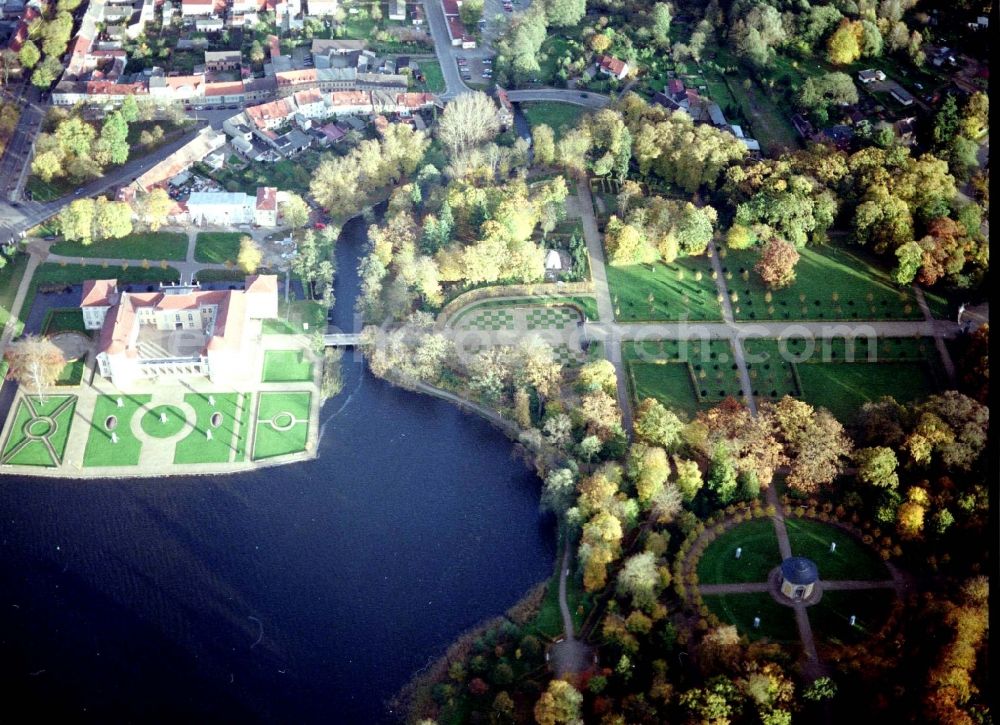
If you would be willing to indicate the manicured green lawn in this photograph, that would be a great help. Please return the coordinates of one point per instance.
(221, 275)
(10, 280)
(230, 434)
(282, 424)
(218, 247)
(141, 245)
(777, 622)
(560, 117)
(587, 304)
(45, 190)
(100, 451)
(830, 617)
(831, 283)
(163, 421)
(297, 312)
(287, 366)
(678, 292)
(433, 78)
(63, 319)
(759, 555)
(72, 372)
(851, 560)
(844, 387)
(40, 430)
(660, 369)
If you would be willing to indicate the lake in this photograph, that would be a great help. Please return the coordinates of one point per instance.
(304, 593)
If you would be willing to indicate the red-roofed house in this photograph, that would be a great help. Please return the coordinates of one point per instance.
(265, 211)
(611, 66)
(268, 116)
(506, 112)
(20, 34)
(178, 331)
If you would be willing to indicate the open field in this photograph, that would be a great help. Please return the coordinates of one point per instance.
(229, 434)
(153, 246)
(287, 366)
(684, 376)
(844, 388)
(777, 622)
(282, 424)
(831, 616)
(560, 117)
(217, 247)
(681, 290)
(40, 430)
(831, 283)
(759, 555)
(851, 560)
(100, 450)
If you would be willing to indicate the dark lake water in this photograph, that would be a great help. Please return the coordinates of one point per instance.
(305, 593)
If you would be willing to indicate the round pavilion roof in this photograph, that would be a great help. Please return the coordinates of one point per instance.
(799, 570)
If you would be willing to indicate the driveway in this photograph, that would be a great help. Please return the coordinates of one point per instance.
(586, 99)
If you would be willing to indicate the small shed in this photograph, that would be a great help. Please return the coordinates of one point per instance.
(553, 262)
(798, 577)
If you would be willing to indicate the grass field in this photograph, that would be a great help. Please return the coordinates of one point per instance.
(843, 388)
(153, 246)
(218, 247)
(221, 275)
(10, 279)
(831, 616)
(587, 304)
(163, 421)
(100, 451)
(282, 424)
(851, 560)
(433, 77)
(287, 366)
(72, 372)
(777, 622)
(63, 319)
(297, 312)
(230, 434)
(682, 290)
(719, 565)
(841, 375)
(831, 284)
(560, 117)
(40, 430)
(667, 370)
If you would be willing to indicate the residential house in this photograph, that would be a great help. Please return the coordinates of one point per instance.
(222, 60)
(209, 25)
(266, 208)
(220, 208)
(901, 95)
(870, 75)
(397, 9)
(610, 66)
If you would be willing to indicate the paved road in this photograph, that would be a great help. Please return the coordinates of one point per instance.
(16, 219)
(587, 99)
(454, 85)
(17, 156)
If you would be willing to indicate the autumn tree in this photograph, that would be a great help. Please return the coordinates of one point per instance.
(294, 211)
(250, 255)
(815, 442)
(598, 375)
(565, 13)
(657, 425)
(35, 362)
(844, 46)
(468, 120)
(689, 480)
(639, 579)
(776, 264)
(560, 703)
(543, 143)
(877, 466)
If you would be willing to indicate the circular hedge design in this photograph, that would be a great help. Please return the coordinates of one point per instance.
(283, 421)
(39, 427)
(175, 420)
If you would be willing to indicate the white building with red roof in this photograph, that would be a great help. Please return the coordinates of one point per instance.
(611, 66)
(197, 8)
(178, 331)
